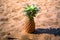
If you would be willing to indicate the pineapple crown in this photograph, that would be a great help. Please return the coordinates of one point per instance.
(31, 11)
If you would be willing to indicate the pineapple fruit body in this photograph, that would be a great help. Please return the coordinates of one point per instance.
(29, 25)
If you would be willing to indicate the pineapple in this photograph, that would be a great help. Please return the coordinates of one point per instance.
(30, 12)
